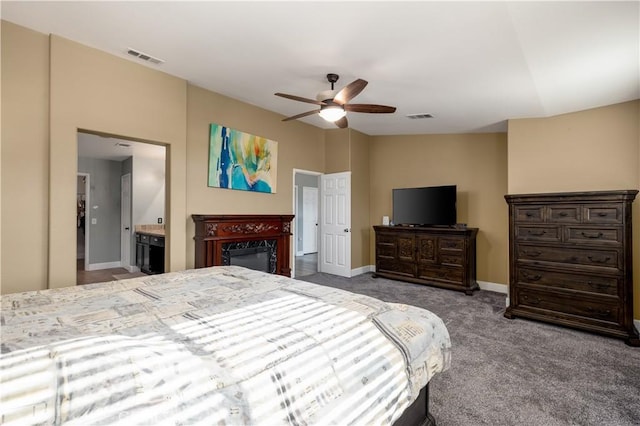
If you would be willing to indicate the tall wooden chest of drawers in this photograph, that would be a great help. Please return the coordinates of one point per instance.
(438, 256)
(570, 260)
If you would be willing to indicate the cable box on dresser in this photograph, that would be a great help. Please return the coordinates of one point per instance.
(570, 260)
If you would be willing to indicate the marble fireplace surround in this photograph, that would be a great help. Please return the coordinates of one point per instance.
(216, 234)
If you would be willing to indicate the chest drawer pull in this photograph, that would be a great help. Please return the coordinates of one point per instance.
(563, 214)
(536, 233)
(532, 253)
(604, 313)
(588, 235)
(603, 260)
(530, 277)
(532, 300)
(602, 214)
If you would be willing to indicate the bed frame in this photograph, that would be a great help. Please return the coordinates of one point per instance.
(417, 414)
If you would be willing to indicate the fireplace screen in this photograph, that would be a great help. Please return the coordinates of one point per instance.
(260, 255)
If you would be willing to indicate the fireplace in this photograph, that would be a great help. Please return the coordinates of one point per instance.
(258, 242)
(261, 255)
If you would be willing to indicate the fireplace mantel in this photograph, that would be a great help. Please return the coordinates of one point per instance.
(214, 231)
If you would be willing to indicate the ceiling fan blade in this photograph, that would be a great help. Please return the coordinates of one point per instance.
(342, 123)
(299, 98)
(350, 91)
(304, 114)
(370, 108)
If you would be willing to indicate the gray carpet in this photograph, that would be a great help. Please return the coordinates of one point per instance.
(515, 372)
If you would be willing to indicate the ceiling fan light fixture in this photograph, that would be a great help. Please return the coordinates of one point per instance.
(332, 113)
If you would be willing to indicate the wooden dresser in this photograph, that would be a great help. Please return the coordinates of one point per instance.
(442, 257)
(570, 260)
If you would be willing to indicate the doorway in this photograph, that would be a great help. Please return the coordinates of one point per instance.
(119, 169)
(82, 200)
(305, 229)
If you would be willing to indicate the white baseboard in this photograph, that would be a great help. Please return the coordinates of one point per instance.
(105, 265)
(363, 270)
(637, 324)
(131, 268)
(489, 286)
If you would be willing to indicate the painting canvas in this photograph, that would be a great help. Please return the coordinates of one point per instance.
(239, 160)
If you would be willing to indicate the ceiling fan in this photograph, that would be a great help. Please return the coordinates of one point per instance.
(334, 105)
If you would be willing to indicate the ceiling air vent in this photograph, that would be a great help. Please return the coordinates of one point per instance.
(419, 116)
(144, 56)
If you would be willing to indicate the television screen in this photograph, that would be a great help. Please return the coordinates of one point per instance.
(432, 205)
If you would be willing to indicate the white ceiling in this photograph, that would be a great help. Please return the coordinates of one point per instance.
(107, 148)
(473, 65)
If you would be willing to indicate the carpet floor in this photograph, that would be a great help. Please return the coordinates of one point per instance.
(515, 372)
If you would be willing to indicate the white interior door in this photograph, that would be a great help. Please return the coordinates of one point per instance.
(125, 221)
(335, 224)
(309, 219)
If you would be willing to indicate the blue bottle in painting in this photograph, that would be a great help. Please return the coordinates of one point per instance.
(225, 159)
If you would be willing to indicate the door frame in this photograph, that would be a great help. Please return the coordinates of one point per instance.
(125, 238)
(306, 190)
(87, 219)
(294, 227)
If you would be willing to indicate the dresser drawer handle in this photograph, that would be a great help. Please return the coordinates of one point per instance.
(533, 253)
(535, 277)
(536, 233)
(603, 260)
(529, 214)
(533, 301)
(603, 214)
(564, 214)
(587, 235)
(597, 286)
(599, 312)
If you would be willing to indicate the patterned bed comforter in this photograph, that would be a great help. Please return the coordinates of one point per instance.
(214, 346)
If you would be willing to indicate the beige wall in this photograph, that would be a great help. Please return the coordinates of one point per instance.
(93, 91)
(53, 87)
(596, 149)
(348, 150)
(589, 150)
(300, 146)
(99, 92)
(337, 150)
(25, 158)
(360, 145)
(476, 163)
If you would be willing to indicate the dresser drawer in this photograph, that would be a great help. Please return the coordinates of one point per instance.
(456, 244)
(564, 214)
(441, 273)
(569, 305)
(587, 283)
(538, 233)
(606, 213)
(386, 250)
(395, 267)
(382, 238)
(451, 259)
(571, 255)
(528, 213)
(594, 235)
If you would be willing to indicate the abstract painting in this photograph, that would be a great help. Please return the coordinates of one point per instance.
(239, 160)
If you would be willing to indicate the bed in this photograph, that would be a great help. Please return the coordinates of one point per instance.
(223, 345)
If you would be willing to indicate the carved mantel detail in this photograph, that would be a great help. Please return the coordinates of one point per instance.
(213, 231)
(249, 228)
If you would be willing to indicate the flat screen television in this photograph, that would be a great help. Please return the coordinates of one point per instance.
(426, 206)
